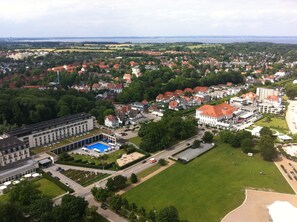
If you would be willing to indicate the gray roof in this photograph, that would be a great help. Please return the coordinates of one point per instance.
(10, 142)
(26, 130)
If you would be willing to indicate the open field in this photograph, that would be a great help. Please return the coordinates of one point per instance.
(210, 186)
(84, 178)
(278, 124)
(136, 140)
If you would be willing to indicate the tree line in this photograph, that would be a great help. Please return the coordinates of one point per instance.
(21, 107)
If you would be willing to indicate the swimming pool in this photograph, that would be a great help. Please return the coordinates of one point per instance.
(99, 146)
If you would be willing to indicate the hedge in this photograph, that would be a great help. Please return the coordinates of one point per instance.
(108, 166)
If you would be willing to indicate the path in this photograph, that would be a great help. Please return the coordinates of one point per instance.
(291, 116)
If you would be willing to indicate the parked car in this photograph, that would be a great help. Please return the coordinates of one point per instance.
(67, 184)
(57, 178)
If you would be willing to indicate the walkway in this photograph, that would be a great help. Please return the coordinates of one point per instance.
(291, 116)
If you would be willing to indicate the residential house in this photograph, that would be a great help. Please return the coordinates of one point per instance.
(111, 121)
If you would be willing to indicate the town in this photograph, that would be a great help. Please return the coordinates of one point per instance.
(113, 123)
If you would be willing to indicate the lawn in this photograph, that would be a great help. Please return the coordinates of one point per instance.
(84, 178)
(48, 188)
(209, 186)
(136, 140)
(4, 198)
(112, 157)
(278, 124)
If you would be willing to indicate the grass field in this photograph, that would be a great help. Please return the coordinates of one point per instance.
(4, 198)
(278, 124)
(84, 178)
(136, 140)
(210, 186)
(49, 189)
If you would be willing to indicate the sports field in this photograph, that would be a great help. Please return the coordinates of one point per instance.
(210, 186)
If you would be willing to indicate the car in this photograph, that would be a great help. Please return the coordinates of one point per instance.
(104, 206)
(49, 173)
(144, 161)
(58, 168)
(67, 184)
(57, 178)
(188, 144)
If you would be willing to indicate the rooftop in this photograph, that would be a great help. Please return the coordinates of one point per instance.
(38, 126)
(10, 142)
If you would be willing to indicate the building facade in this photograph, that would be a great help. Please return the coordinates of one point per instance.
(12, 150)
(263, 93)
(50, 131)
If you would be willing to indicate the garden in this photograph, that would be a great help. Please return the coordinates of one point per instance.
(84, 178)
(210, 186)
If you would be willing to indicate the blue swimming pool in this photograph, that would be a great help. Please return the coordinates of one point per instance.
(98, 146)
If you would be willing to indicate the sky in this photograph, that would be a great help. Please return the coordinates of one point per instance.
(114, 18)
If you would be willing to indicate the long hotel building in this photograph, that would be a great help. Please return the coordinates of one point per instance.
(50, 131)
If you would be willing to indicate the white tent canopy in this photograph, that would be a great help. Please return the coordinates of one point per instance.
(3, 187)
(16, 182)
(35, 175)
(7, 183)
(28, 175)
(282, 211)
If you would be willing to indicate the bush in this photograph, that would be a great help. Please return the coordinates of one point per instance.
(196, 144)
(133, 178)
(77, 161)
(162, 162)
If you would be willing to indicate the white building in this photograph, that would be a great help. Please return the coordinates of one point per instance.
(263, 93)
(50, 131)
(212, 115)
(111, 121)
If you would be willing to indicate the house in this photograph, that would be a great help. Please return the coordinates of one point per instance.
(111, 121)
(173, 105)
(200, 89)
(127, 78)
(135, 116)
(212, 115)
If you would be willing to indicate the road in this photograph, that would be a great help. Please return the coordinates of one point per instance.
(136, 168)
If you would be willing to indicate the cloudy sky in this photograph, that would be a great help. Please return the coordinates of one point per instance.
(99, 18)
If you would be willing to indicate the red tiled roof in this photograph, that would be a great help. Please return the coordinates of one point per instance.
(217, 111)
(173, 104)
(200, 89)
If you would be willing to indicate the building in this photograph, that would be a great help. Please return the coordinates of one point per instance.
(50, 131)
(263, 93)
(111, 121)
(12, 150)
(214, 115)
(15, 159)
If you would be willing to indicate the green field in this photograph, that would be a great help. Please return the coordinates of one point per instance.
(210, 186)
(136, 140)
(278, 124)
(49, 189)
(148, 171)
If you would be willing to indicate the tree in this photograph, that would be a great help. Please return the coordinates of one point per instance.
(225, 136)
(133, 178)
(116, 183)
(266, 131)
(207, 137)
(266, 147)
(11, 212)
(247, 145)
(196, 144)
(41, 209)
(24, 193)
(101, 194)
(162, 162)
(168, 214)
